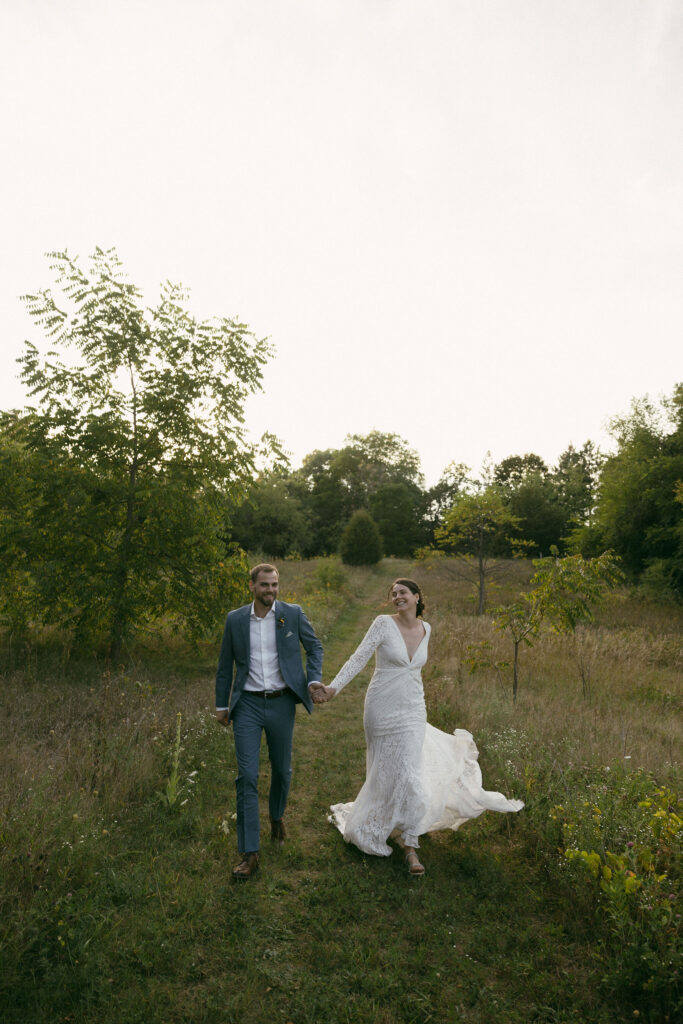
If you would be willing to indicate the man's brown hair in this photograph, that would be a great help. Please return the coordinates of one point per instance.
(261, 567)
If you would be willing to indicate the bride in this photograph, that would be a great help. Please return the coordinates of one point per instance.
(418, 779)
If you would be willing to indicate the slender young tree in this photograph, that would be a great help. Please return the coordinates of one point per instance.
(477, 530)
(563, 594)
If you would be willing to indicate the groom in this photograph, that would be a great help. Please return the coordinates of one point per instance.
(259, 682)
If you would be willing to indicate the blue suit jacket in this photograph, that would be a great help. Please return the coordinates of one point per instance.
(292, 629)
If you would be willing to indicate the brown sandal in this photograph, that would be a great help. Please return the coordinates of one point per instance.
(413, 862)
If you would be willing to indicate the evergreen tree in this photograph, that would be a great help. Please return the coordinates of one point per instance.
(361, 543)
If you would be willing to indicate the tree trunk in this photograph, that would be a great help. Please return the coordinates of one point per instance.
(515, 672)
(482, 586)
(121, 613)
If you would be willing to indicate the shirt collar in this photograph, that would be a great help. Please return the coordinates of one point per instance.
(253, 615)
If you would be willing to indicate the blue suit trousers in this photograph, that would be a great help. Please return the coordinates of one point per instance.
(253, 715)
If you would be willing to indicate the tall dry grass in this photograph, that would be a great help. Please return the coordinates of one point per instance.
(612, 690)
(85, 749)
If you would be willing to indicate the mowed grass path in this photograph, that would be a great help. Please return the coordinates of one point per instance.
(144, 924)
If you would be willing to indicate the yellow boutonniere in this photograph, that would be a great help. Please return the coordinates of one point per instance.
(280, 622)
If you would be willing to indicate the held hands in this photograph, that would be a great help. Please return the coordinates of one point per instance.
(321, 694)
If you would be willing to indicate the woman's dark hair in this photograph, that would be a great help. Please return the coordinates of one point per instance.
(414, 588)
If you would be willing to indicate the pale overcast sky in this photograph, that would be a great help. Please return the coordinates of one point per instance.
(461, 222)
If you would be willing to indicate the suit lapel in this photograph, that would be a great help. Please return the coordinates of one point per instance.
(246, 630)
(278, 610)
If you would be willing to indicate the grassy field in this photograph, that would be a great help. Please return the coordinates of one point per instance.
(117, 904)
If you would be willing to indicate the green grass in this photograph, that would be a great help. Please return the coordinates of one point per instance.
(116, 908)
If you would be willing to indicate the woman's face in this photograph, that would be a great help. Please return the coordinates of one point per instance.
(403, 598)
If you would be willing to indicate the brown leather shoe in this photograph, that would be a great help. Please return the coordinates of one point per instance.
(278, 833)
(247, 867)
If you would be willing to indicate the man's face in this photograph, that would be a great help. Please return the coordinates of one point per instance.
(264, 588)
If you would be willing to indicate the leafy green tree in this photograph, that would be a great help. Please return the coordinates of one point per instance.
(271, 518)
(361, 543)
(387, 458)
(454, 480)
(479, 531)
(141, 448)
(543, 521)
(398, 509)
(327, 498)
(530, 492)
(338, 482)
(638, 513)
(516, 468)
(564, 592)
(18, 500)
(576, 479)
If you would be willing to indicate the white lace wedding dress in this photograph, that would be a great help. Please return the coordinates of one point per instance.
(418, 779)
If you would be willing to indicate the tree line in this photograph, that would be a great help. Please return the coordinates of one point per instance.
(129, 490)
(629, 501)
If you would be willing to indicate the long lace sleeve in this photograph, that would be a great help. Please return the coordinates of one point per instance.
(360, 656)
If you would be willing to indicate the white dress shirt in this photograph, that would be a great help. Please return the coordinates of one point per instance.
(264, 664)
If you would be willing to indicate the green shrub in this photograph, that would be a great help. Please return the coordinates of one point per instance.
(329, 574)
(658, 581)
(626, 838)
(361, 543)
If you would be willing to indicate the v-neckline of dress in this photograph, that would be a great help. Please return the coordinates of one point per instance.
(403, 639)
